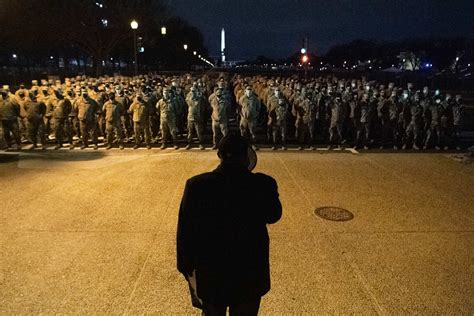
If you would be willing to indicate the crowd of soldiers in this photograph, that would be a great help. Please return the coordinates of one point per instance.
(172, 109)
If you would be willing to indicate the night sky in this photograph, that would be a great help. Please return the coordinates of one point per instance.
(275, 28)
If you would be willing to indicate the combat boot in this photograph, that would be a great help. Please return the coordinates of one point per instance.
(163, 146)
(201, 147)
(188, 147)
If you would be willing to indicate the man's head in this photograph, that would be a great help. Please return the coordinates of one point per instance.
(233, 149)
(248, 91)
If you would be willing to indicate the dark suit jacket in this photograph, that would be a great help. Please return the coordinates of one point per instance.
(222, 233)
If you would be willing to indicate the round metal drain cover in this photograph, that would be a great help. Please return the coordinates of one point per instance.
(332, 213)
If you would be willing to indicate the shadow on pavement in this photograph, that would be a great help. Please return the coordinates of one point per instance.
(6, 157)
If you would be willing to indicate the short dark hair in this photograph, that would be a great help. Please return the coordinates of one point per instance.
(233, 147)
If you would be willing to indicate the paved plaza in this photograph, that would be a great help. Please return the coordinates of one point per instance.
(93, 232)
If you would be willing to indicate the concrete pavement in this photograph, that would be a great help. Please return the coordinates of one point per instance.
(94, 232)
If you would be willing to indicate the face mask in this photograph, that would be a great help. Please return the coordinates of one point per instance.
(438, 101)
(277, 94)
(437, 92)
(405, 96)
(247, 92)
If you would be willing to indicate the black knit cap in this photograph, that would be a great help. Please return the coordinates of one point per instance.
(233, 147)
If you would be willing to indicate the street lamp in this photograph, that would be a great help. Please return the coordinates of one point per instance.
(194, 53)
(134, 26)
(163, 30)
(185, 46)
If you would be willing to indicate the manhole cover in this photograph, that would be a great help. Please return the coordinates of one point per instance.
(334, 213)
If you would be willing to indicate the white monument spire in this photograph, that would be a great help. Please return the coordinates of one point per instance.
(223, 45)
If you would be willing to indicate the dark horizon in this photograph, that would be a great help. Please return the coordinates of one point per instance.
(276, 29)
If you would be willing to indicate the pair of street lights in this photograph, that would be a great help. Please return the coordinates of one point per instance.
(134, 26)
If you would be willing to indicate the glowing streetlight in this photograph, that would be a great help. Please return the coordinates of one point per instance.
(199, 56)
(304, 59)
(163, 30)
(134, 26)
(185, 46)
(303, 50)
(194, 53)
(14, 56)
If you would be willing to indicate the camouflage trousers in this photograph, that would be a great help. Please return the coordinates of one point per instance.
(35, 128)
(217, 129)
(10, 127)
(114, 129)
(195, 126)
(62, 126)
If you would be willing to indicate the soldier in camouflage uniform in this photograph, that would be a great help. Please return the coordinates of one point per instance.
(140, 112)
(249, 111)
(35, 112)
(168, 111)
(196, 112)
(113, 112)
(337, 110)
(413, 130)
(219, 116)
(432, 122)
(87, 109)
(124, 102)
(458, 113)
(277, 118)
(393, 108)
(9, 114)
(365, 121)
(304, 110)
(61, 108)
(45, 97)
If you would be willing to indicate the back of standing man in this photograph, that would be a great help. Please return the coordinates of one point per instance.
(222, 239)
